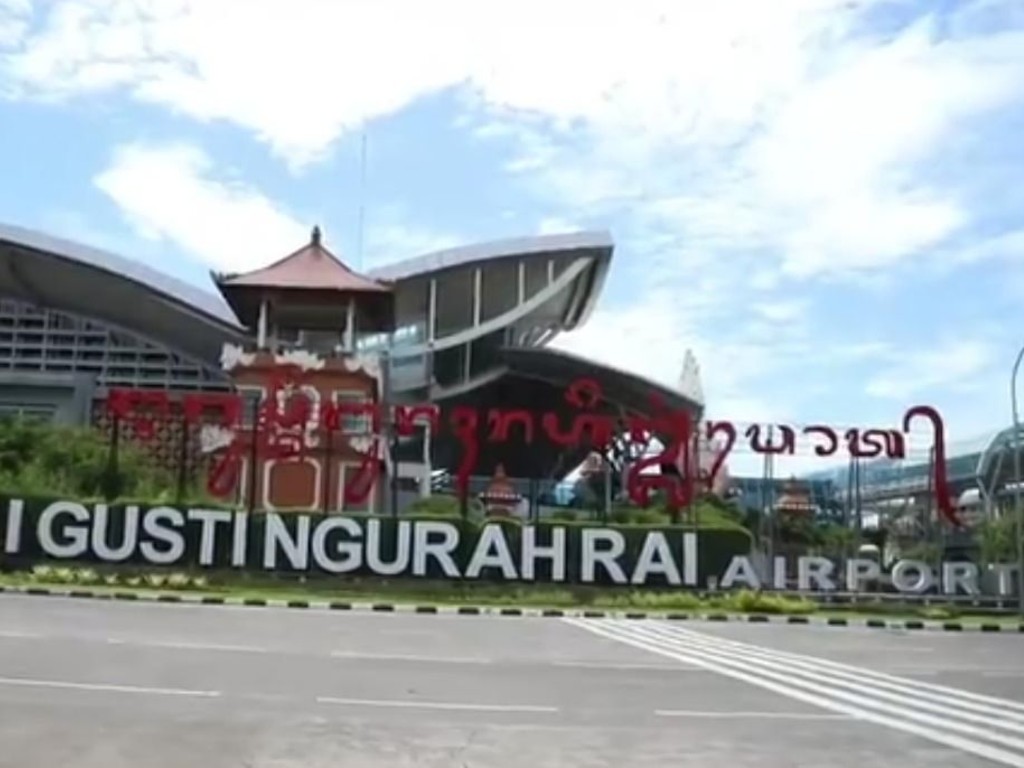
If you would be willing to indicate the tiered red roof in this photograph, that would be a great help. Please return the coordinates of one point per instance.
(500, 490)
(312, 267)
(795, 499)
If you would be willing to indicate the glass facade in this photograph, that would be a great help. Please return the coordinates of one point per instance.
(888, 473)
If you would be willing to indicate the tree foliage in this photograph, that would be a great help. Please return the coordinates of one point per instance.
(997, 539)
(40, 459)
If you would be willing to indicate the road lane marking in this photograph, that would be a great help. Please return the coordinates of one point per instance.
(440, 705)
(914, 671)
(847, 676)
(187, 646)
(411, 657)
(105, 687)
(15, 635)
(421, 658)
(906, 703)
(616, 665)
(752, 715)
(945, 729)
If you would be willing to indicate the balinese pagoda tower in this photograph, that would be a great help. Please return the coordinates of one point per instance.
(308, 311)
(309, 300)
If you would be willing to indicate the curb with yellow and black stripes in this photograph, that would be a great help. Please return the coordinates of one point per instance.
(470, 610)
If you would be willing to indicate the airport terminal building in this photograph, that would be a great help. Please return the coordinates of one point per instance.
(470, 324)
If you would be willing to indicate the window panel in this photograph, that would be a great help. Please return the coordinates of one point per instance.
(454, 301)
(500, 288)
(536, 276)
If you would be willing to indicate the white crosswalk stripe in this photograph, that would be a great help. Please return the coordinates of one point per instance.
(986, 726)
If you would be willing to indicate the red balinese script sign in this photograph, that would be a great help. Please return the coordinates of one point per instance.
(287, 423)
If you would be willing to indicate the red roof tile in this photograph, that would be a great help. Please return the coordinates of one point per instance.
(311, 267)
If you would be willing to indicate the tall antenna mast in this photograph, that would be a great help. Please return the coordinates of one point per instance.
(361, 226)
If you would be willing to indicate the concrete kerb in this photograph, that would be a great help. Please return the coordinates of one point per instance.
(470, 610)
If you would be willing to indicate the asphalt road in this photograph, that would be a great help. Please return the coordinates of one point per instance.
(113, 684)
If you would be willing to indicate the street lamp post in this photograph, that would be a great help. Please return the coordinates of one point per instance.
(1018, 501)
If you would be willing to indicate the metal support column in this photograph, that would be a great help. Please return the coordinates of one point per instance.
(1018, 501)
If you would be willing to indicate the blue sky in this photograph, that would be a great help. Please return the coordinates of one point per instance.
(819, 197)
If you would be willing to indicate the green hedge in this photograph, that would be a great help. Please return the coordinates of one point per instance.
(705, 513)
(715, 547)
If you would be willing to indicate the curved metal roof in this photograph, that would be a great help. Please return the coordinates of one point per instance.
(59, 273)
(618, 386)
(1000, 440)
(120, 267)
(213, 305)
(517, 247)
(52, 272)
(594, 246)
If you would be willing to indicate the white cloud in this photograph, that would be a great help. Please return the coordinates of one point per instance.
(948, 364)
(789, 127)
(390, 238)
(171, 192)
(555, 225)
(1005, 246)
(14, 21)
(647, 339)
(745, 148)
(781, 311)
(168, 192)
(294, 72)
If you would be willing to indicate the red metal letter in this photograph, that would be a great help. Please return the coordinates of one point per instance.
(832, 440)
(788, 444)
(729, 430)
(674, 429)
(500, 422)
(942, 495)
(406, 416)
(465, 421)
(581, 394)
